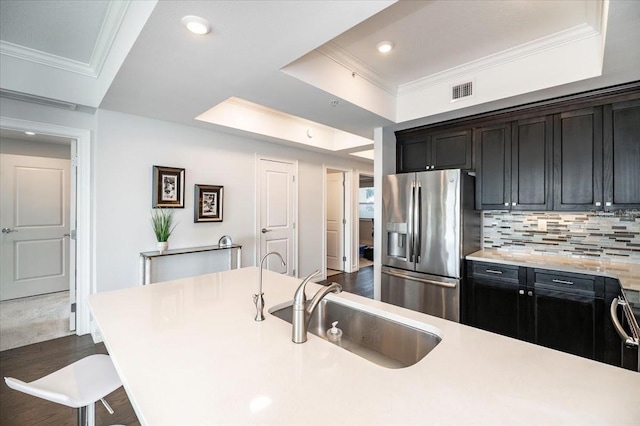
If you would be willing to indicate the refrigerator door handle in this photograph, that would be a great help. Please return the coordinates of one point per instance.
(421, 280)
(411, 229)
(418, 223)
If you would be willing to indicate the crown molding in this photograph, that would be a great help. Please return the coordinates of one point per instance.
(568, 36)
(353, 64)
(108, 32)
(44, 58)
(110, 26)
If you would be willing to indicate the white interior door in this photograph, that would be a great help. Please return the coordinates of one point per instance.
(335, 221)
(277, 214)
(34, 217)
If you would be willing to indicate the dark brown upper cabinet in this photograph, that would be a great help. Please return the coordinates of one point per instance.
(513, 165)
(580, 153)
(420, 150)
(622, 155)
(578, 160)
(531, 162)
(492, 147)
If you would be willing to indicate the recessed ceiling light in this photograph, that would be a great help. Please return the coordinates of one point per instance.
(384, 46)
(196, 24)
(30, 133)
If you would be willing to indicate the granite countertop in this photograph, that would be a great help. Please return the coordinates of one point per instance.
(189, 352)
(627, 273)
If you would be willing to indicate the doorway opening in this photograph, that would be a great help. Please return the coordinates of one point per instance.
(338, 222)
(83, 219)
(366, 204)
(37, 251)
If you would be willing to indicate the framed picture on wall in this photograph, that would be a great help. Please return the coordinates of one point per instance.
(208, 203)
(168, 187)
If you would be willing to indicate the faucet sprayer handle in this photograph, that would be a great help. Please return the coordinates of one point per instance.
(299, 298)
(311, 275)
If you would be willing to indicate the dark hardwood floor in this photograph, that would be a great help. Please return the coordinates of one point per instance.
(360, 283)
(34, 361)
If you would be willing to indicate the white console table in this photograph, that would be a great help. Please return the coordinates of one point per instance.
(194, 261)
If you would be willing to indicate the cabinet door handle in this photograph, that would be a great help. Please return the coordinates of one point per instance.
(607, 204)
(563, 282)
(491, 271)
(530, 293)
(513, 204)
(521, 291)
(598, 203)
(506, 204)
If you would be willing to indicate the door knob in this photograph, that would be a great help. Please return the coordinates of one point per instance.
(264, 230)
(7, 230)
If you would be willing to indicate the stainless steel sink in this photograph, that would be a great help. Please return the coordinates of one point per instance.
(380, 340)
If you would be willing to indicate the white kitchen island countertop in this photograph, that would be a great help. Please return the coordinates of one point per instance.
(189, 353)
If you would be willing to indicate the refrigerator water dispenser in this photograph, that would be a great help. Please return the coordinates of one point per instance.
(397, 239)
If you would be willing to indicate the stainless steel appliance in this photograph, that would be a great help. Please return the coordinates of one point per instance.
(625, 321)
(429, 225)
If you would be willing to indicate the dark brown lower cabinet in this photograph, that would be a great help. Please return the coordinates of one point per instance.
(496, 303)
(560, 311)
(567, 321)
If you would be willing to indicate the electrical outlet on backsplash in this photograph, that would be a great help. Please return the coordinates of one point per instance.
(600, 235)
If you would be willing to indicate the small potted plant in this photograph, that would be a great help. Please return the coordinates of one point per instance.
(163, 226)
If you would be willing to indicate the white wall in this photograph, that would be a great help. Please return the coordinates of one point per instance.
(385, 164)
(126, 149)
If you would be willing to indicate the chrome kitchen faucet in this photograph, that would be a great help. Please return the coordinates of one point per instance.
(302, 312)
(258, 299)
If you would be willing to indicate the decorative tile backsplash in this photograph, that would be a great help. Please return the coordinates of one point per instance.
(601, 235)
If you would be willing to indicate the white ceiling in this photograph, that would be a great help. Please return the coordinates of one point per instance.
(433, 36)
(151, 66)
(72, 34)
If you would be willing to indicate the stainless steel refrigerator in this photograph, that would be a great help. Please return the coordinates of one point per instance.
(429, 225)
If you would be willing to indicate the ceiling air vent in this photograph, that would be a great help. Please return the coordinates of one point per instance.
(463, 90)
(34, 99)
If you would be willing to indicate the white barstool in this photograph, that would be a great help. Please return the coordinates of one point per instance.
(77, 385)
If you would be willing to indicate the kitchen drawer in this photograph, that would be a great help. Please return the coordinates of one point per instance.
(495, 271)
(566, 282)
